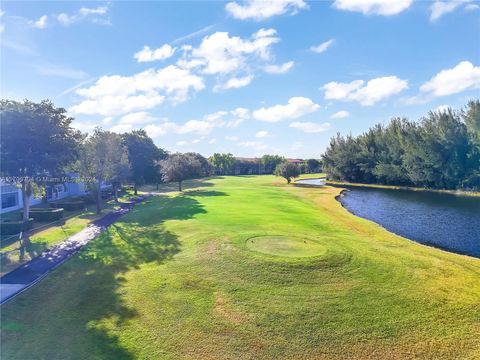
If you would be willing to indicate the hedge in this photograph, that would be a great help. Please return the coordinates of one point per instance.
(15, 227)
(87, 198)
(39, 214)
(70, 205)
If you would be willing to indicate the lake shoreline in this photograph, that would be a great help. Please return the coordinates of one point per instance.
(408, 188)
(341, 198)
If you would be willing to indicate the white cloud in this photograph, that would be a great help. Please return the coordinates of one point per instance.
(212, 141)
(136, 118)
(296, 107)
(201, 127)
(264, 9)
(472, 7)
(232, 138)
(182, 143)
(462, 77)
(310, 127)
(116, 94)
(109, 105)
(193, 34)
(322, 47)
(121, 128)
(108, 120)
(340, 114)
(146, 54)
(234, 83)
(196, 141)
(65, 19)
(2, 28)
(40, 23)
(84, 126)
(241, 113)
(198, 127)
(258, 145)
(215, 116)
(442, 108)
(96, 15)
(367, 94)
(279, 69)
(261, 134)
(219, 53)
(374, 7)
(440, 8)
(101, 10)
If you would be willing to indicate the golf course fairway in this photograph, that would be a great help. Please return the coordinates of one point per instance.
(249, 267)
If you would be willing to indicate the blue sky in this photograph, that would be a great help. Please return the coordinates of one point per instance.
(246, 77)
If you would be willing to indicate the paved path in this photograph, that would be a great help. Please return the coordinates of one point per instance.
(29, 273)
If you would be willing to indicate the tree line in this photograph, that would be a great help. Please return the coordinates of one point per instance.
(441, 151)
(227, 164)
(38, 146)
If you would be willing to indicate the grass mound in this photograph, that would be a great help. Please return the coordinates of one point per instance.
(286, 246)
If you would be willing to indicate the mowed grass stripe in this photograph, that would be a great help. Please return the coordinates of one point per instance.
(176, 279)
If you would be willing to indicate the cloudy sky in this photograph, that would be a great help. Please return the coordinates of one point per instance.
(247, 77)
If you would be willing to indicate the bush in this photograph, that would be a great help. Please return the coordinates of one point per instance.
(39, 214)
(70, 205)
(87, 198)
(106, 194)
(15, 227)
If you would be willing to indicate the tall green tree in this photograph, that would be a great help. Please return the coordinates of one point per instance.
(36, 140)
(471, 117)
(442, 150)
(222, 163)
(287, 170)
(270, 162)
(180, 167)
(313, 165)
(143, 155)
(103, 159)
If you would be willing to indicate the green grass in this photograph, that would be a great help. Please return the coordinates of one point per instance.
(178, 278)
(15, 251)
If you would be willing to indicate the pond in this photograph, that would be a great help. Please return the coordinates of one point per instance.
(316, 182)
(445, 221)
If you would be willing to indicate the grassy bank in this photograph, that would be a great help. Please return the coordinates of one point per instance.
(249, 268)
(393, 187)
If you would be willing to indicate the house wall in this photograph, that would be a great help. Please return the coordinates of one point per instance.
(9, 192)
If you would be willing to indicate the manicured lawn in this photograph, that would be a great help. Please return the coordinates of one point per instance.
(15, 251)
(179, 277)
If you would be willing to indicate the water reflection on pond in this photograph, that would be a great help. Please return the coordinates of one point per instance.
(317, 182)
(442, 220)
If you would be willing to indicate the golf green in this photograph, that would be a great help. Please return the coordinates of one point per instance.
(286, 246)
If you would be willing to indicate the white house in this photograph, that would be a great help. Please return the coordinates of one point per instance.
(12, 196)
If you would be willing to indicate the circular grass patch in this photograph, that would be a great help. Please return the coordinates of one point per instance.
(286, 246)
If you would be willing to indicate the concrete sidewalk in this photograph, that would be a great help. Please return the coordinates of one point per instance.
(33, 271)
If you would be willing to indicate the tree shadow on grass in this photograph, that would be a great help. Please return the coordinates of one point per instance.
(205, 193)
(186, 185)
(78, 310)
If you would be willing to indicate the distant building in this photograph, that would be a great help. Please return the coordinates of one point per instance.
(12, 196)
(296, 161)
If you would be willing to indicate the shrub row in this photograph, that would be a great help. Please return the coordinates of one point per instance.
(70, 205)
(9, 227)
(42, 214)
